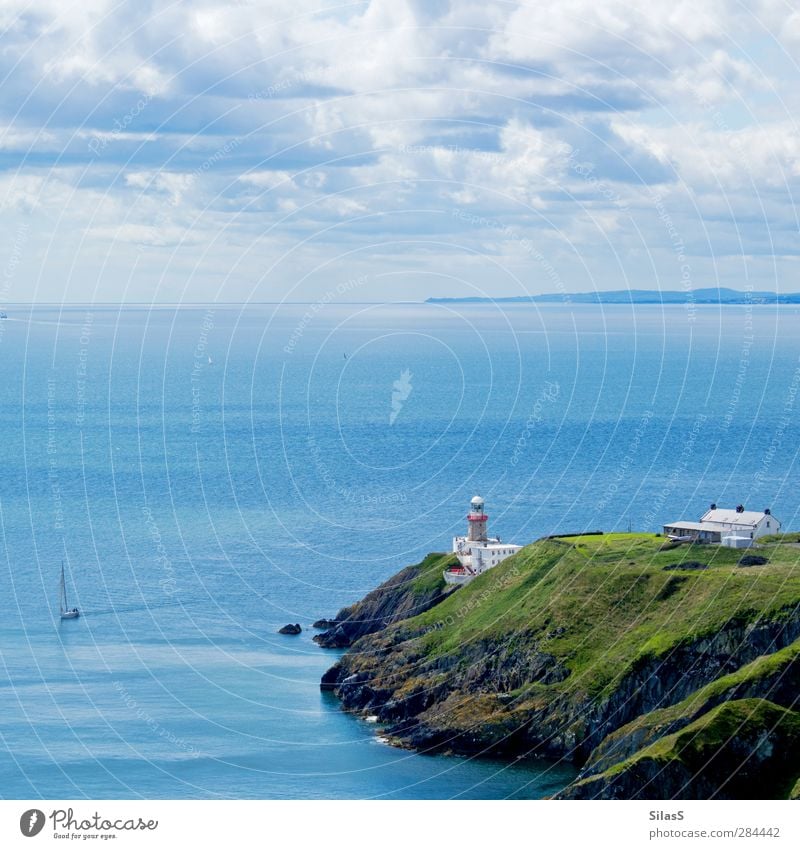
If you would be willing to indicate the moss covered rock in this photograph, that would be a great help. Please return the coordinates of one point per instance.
(745, 749)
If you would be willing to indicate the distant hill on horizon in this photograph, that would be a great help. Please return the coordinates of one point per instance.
(713, 295)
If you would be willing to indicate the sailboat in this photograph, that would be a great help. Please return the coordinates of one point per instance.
(66, 613)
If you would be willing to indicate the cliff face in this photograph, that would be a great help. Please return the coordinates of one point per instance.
(775, 676)
(572, 649)
(411, 591)
(745, 749)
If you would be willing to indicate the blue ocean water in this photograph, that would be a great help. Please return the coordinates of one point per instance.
(209, 474)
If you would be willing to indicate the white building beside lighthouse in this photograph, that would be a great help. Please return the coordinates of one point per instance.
(477, 551)
(737, 528)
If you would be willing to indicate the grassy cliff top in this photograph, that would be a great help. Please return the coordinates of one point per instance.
(603, 604)
(429, 575)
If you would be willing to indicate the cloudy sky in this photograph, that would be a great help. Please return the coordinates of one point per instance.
(271, 149)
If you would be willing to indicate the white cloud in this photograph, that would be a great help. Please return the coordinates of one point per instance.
(713, 80)
(149, 235)
(25, 139)
(611, 33)
(267, 179)
(340, 113)
(174, 185)
(704, 156)
(28, 192)
(790, 29)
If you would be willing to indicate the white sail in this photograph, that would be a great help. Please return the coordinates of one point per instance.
(66, 613)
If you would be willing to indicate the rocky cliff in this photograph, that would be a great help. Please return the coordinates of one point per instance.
(411, 591)
(744, 749)
(580, 649)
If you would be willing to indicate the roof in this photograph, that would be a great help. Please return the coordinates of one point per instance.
(723, 520)
(490, 543)
(749, 518)
(691, 526)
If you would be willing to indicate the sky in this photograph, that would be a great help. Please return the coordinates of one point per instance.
(395, 149)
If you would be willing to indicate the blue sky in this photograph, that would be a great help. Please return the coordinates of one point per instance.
(200, 151)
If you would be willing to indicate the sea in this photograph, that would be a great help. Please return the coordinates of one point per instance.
(209, 473)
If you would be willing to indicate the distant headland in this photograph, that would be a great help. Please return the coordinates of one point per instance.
(714, 295)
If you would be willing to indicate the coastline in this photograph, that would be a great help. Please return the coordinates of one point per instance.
(574, 649)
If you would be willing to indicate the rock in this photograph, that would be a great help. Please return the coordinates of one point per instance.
(411, 591)
(330, 680)
(753, 560)
(334, 638)
(746, 749)
(776, 676)
(325, 624)
(291, 629)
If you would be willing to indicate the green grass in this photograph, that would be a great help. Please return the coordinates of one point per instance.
(431, 568)
(603, 604)
(696, 743)
(780, 539)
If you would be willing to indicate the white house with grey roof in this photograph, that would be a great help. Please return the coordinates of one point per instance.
(736, 528)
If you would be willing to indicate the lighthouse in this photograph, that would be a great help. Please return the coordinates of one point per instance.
(477, 551)
(476, 520)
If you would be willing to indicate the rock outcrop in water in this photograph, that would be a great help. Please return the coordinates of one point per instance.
(588, 650)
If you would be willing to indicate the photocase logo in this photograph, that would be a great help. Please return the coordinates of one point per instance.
(31, 822)
(401, 389)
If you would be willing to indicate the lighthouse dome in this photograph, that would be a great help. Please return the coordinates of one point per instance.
(477, 501)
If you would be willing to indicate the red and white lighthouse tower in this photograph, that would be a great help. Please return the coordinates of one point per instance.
(476, 521)
(477, 551)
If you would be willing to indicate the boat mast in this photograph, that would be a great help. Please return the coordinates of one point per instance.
(63, 599)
